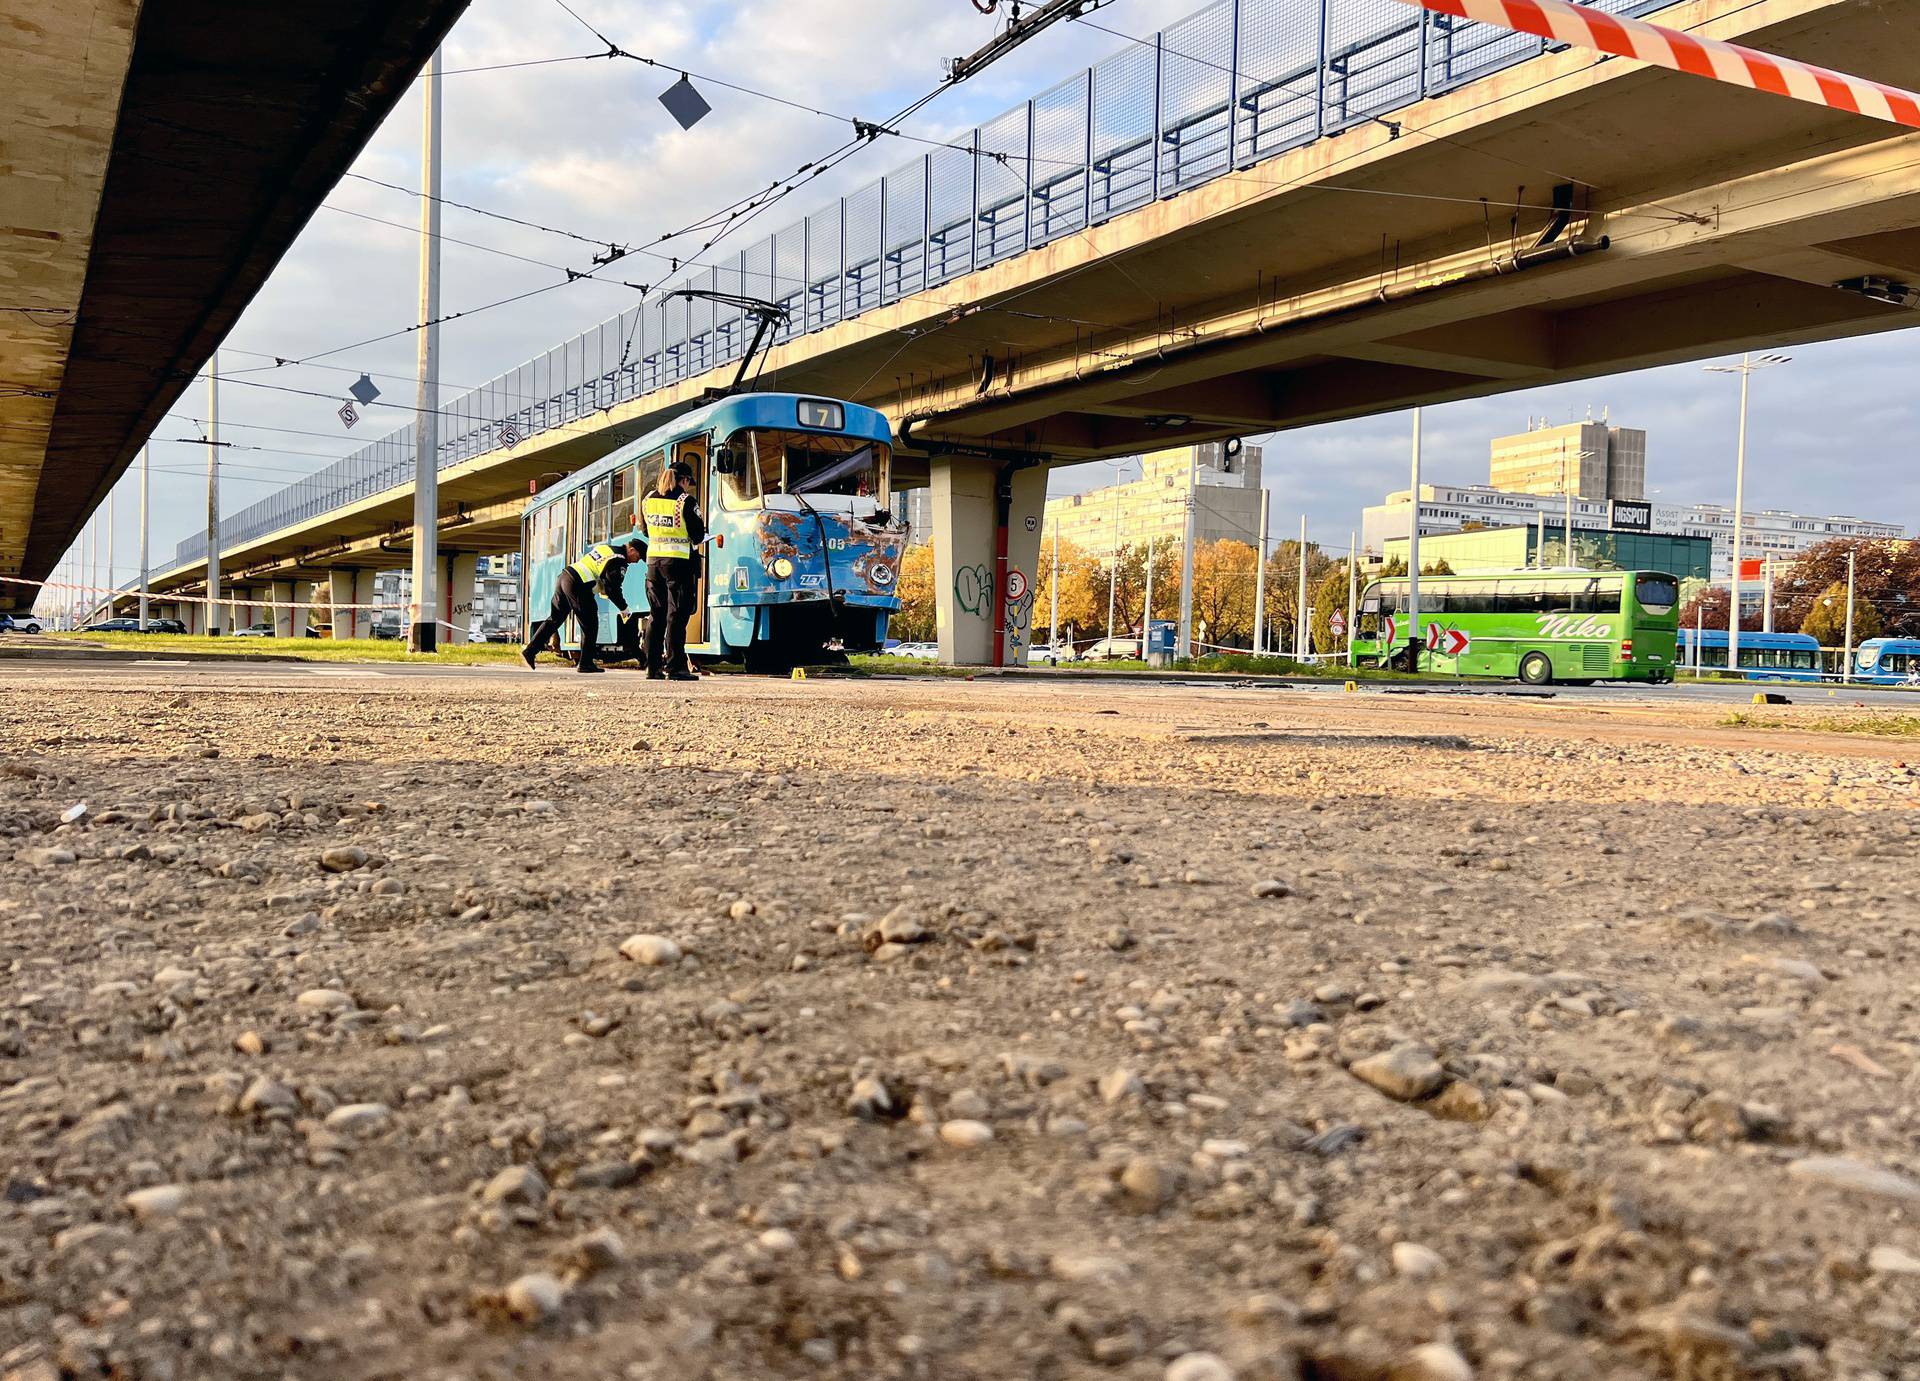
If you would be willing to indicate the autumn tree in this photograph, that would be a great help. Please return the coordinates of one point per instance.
(1224, 575)
(1826, 619)
(1886, 577)
(914, 623)
(1283, 587)
(1328, 595)
(1708, 609)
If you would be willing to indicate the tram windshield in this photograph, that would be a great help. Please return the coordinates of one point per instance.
(813, 464)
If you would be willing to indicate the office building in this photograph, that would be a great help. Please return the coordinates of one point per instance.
(1589, 460)
(1465, 507)
(1226, 490)
(914, 507)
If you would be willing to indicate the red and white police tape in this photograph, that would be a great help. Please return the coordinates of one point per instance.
(1559, 21)
(228, 601)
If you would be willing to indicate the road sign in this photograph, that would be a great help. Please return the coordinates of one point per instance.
(1016, 584)
(349, 414)
(1392, 631)
(1337, 623)
(509, 434)
(1448, 642)
(363, 390)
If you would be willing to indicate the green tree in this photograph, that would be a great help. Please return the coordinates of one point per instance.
(1826, 619)
(1328, 595)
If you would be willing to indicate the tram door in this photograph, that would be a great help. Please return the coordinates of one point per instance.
(694, 452)
(573, 544)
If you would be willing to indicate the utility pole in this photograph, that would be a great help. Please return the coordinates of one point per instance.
(146, 475)
(1745, 369)
(1300, 599)
(1146, 612)
(1413, 557)
(1186, 554)
(1766, 595)
(424, 636)
(213, 496)
(111, 587)
(1353, 590)
(1566, 539)
(1053, 615)
(1540, 543)
(1846, 665)
(1260, 581)
(1113, 572)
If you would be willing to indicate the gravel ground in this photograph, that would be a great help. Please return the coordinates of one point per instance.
(369, 1028)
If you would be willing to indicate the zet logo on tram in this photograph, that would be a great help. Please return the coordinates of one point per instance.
(1573, 626)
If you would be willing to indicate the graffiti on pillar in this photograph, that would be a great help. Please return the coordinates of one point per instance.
(1019, 613)
(1019, 624)
(973, 590)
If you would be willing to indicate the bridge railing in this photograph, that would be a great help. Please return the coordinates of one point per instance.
(1237, 83)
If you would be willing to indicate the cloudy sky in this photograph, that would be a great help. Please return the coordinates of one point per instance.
(585, 146)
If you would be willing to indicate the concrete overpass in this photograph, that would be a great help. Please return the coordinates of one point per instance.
(1245, 223)
(157, 160)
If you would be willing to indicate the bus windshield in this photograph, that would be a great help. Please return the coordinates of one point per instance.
(810, 463)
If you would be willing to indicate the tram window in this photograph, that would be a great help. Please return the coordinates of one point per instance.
(793, 462)
(648, 472)
(622, 520)
(599, 510)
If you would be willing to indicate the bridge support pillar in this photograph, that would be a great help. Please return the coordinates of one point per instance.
(288, 622)
(349, 587)
(986, 542)
(459, 580)
(239, 610)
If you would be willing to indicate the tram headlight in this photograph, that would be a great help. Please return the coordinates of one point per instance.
(782, 567)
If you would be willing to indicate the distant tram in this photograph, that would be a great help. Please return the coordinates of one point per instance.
(1888, 662)
(803, 557)
(1763, 656)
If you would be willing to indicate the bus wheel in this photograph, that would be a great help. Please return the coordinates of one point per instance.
(1535, 669)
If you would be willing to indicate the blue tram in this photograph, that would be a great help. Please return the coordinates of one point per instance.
(1888, 661)
(802, 556)
(1763, 656)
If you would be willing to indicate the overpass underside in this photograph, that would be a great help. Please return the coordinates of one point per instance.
(156, 161)
(1561, 219)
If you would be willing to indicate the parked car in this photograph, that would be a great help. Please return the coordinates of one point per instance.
(919, 652)
(113, 626)
(1043, 655)
(1112, 650)
(165, 626)
(19, 623)
(255, 630)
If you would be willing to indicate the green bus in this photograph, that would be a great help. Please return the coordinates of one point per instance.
(1539, 626)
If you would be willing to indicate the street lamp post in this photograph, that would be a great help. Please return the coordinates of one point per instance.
(1745, 369)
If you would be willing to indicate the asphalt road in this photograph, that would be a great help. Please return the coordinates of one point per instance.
(291, 672)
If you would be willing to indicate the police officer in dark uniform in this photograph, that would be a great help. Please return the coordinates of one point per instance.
(675, 533)
(604, 565)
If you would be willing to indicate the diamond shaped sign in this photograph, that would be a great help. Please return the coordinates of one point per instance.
(364, 390)
(685, 104)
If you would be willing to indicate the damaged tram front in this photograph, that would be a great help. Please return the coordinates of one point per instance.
(803, 554)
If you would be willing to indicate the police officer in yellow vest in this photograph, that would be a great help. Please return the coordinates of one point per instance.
(603, 565)
(675, 534)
